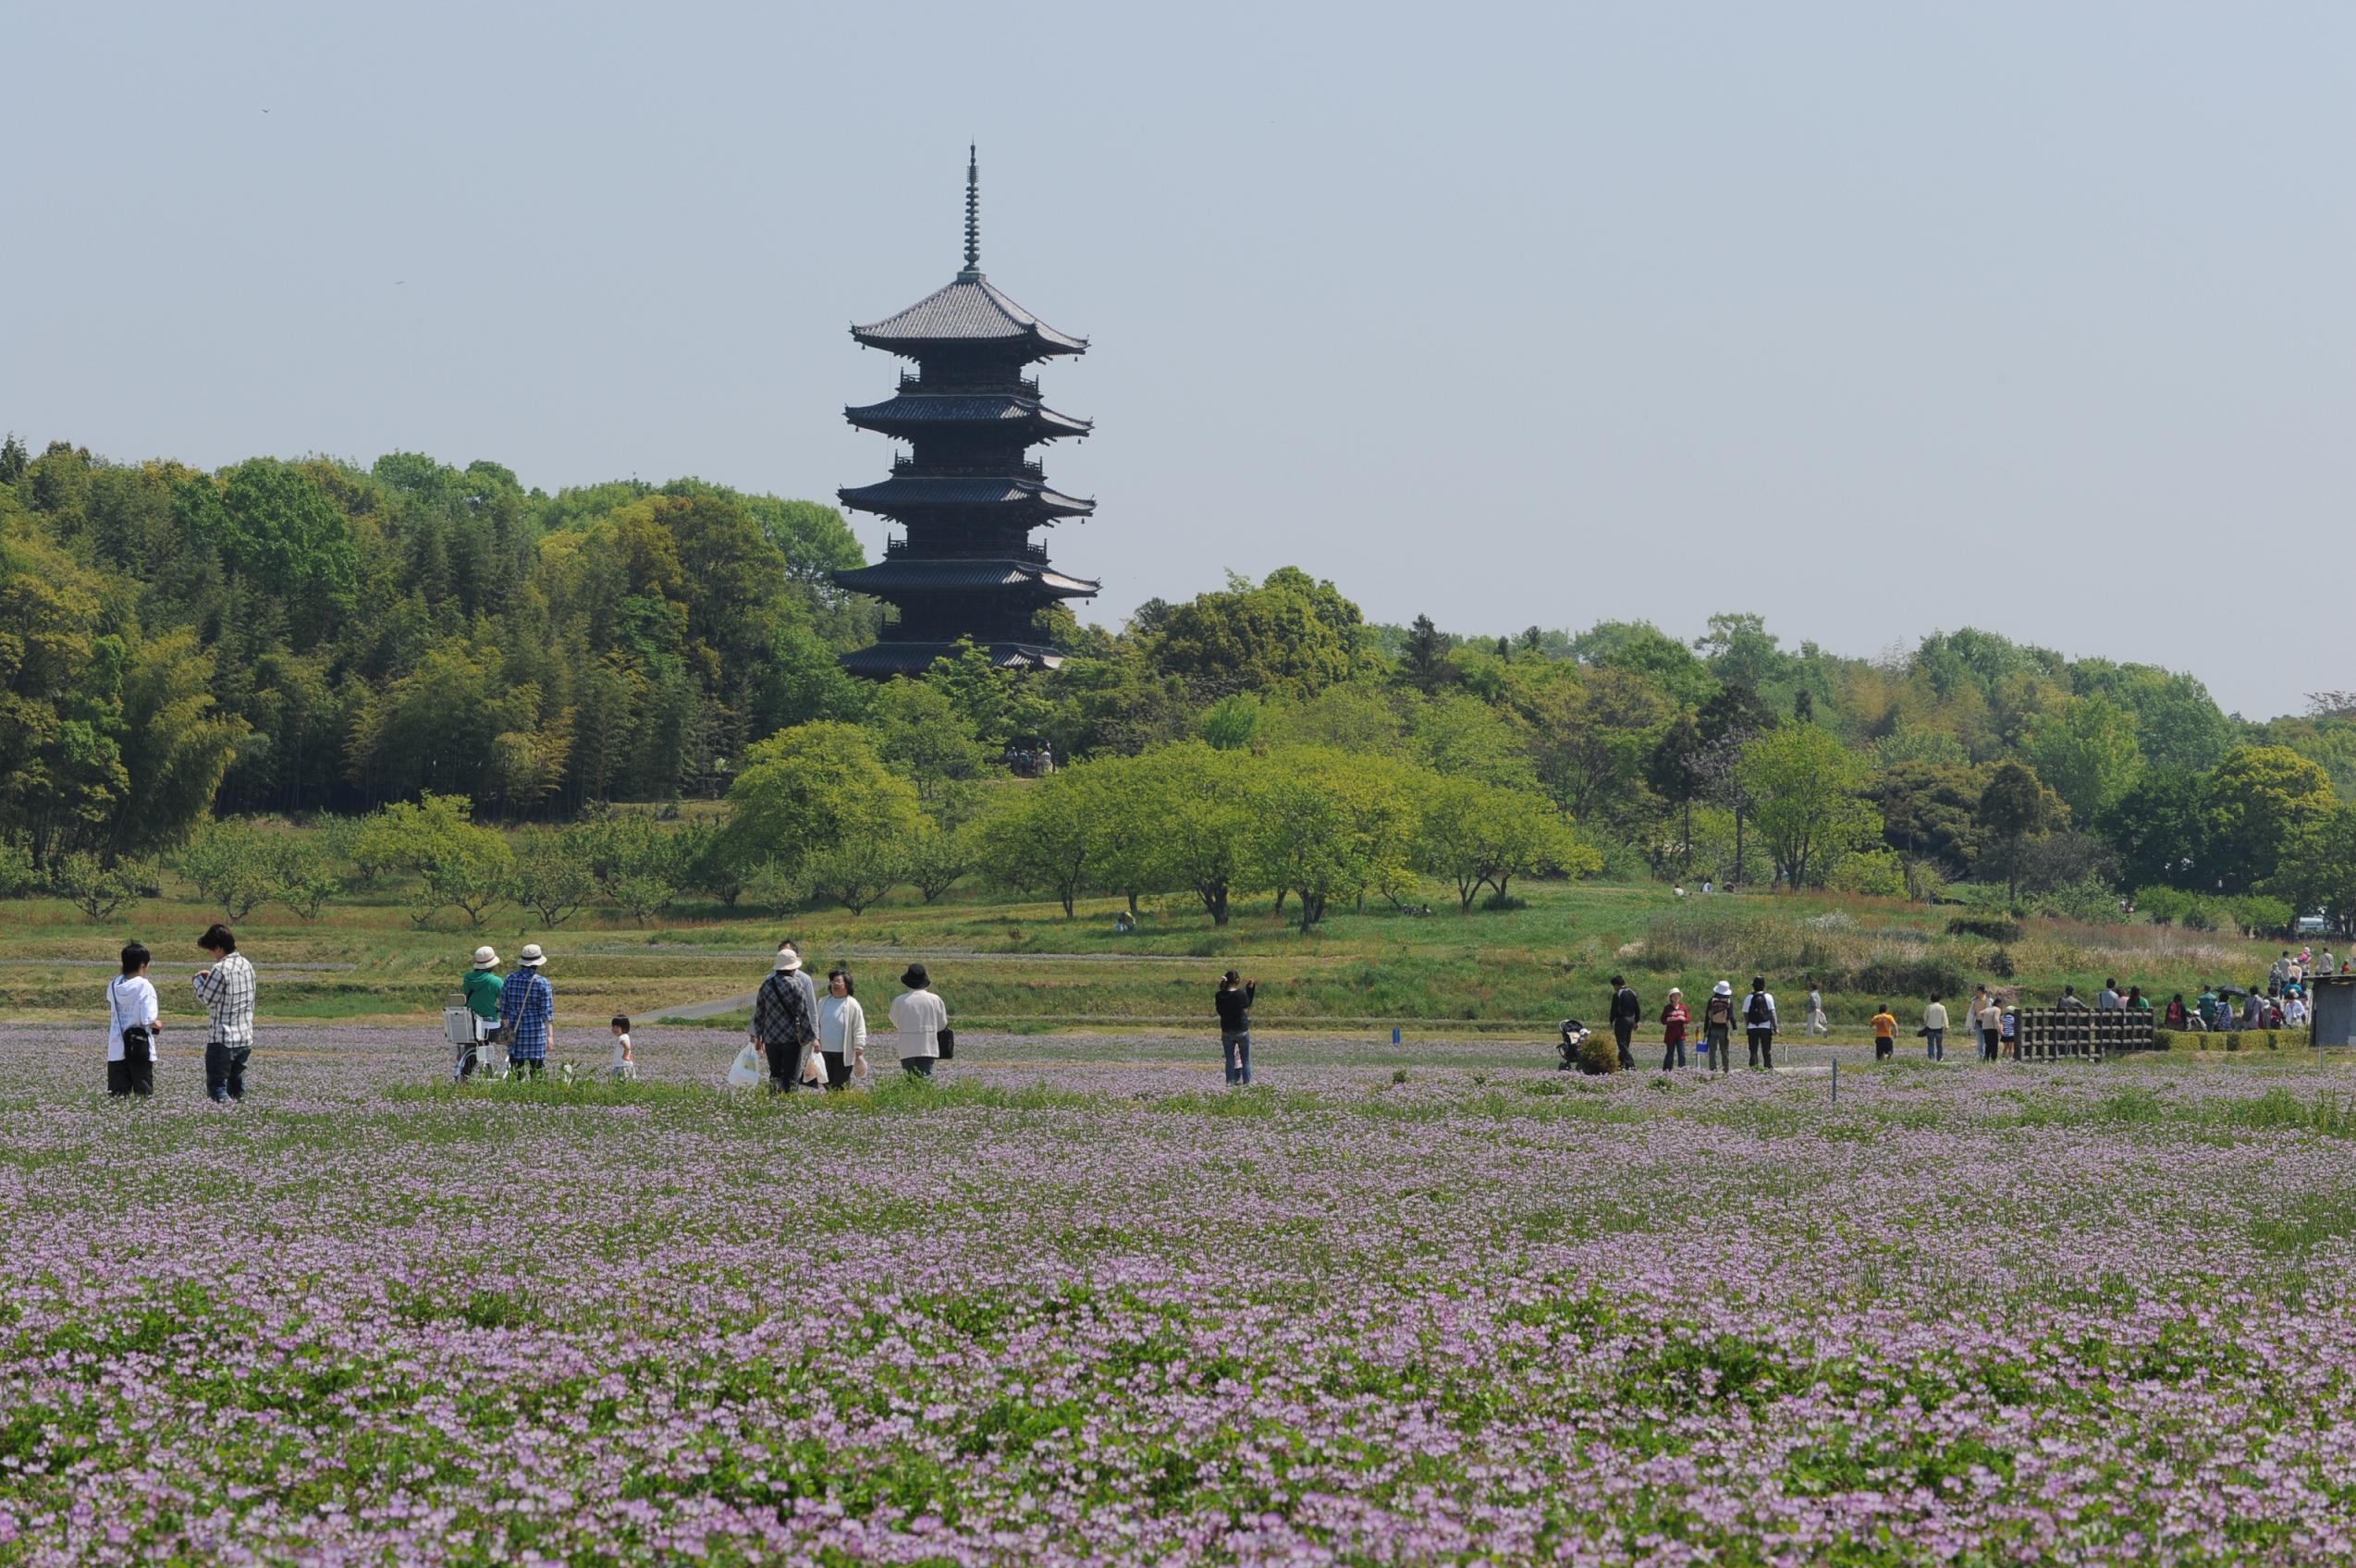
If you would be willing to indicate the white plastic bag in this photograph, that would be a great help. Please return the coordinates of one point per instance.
(750, 1069)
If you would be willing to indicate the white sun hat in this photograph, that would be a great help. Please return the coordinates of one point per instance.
(533, 957)
(485, 959)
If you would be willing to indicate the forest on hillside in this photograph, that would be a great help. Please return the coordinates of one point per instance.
(318, 638)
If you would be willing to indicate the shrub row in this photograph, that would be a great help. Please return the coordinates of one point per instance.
(2232, 1040)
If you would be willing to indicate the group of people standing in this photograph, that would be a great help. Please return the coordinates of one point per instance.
(135, 1021)
(820, 1042)
(1721, 1013)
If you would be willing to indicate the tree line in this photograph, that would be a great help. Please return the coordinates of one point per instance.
(316, 637)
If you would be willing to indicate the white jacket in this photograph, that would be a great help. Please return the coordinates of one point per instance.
(842, 1026)
(920, 1016)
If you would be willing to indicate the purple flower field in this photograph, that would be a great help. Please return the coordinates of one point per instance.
(1077, 1303)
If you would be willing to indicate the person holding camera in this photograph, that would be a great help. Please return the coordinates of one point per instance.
(1233, 1000)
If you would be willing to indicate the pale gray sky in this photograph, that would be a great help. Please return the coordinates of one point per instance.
(1873, 318)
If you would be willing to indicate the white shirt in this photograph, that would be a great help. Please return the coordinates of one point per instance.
(842, 1026)
(131, 1003)
(1935, 1016)
(920, 1016)
(621, 1048)
(2294, 1012)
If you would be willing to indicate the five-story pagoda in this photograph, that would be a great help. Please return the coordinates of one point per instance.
(966, 493)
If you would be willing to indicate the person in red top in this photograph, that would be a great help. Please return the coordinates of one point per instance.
(1674, 1019)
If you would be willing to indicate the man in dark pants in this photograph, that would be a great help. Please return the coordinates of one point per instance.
(1626, 1012)
(226, 988)
(1759, 1022)
(784, 1023)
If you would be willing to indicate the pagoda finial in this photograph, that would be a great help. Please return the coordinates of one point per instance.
(973, 213)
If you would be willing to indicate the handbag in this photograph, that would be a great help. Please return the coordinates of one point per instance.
(946, 1038)
(138, 1044)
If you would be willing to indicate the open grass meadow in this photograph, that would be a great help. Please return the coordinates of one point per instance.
(1077, 1303)
(1011, 964)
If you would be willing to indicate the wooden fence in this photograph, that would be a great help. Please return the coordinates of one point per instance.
(2049, 1034)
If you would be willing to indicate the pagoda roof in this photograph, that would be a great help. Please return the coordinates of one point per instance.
(935, 411)
(958, 573)
(915, 658)
(903, 491)
(970, 309)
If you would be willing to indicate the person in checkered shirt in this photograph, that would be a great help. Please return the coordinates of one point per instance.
(527, 1006)
(227, 990)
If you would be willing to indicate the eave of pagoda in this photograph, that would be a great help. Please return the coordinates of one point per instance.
(970, 313)
(924, 413)
(986, 500)
(958, 575)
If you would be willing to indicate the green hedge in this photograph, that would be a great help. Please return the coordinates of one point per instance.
(2232, 1040)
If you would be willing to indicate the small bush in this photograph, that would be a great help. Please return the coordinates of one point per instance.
(1993, 927)
(1912, 976)
(1599, 1054)
(2001, 965)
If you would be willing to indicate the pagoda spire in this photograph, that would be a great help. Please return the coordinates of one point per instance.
(972, 216)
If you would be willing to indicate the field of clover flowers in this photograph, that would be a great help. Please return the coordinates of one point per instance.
(1079, 1303)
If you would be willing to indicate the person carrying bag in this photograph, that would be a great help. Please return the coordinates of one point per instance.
(784, 1023)
(133, 1020)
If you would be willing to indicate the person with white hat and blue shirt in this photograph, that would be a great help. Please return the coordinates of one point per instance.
(527, 1009)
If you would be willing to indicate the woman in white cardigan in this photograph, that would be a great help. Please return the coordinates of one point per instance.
(842, 1030)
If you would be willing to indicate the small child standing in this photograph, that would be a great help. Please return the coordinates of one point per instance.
(1885, 1032)
(625, 1068)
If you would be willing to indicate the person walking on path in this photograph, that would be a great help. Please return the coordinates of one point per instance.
(1718, 1026)
(1758, 1023)
(1233, 1000)
(842, 1029)
(1935, 1029)
(1990, 1023)
(1626, 1012)
(133, 1021)
(1885, 1032)
(1816, 1022)
(226, 988)
(481, 988)
(919, 1015)
(527, 1010)
(1674, 1019)
(785, 1020)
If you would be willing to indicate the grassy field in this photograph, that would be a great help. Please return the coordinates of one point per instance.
(1075, 1304)
(1022, 965)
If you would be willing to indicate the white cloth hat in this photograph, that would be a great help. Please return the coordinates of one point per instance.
(788, 959)
(485, 959)
(1723, 987)
(533, 957)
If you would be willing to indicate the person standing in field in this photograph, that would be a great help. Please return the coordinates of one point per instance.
(1626, 1012)
(625, 1063)
(481, 988)
(1758, 1023)
(1991, 1022)
(1885, 1032)
(1816, 1023)
(527, 1012)
(226, 988)
(1674, 1019)
(1935, 1029)
(1718, 1026)
(134, 1023)
(785, 1020)
(842, 1029)
(920, 1016)
(1233, 1000)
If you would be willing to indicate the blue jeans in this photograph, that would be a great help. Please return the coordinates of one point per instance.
(1936, 1040)
(1235, 1050)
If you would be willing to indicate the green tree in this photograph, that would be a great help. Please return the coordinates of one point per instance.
(1677, 768)
(855, 872)
(1929, 811)
(302, 877)
(1331, 825)
(814, 787)
(1047, 837)
(272, 523)
(2160, 830)
(925, 738)
(2317, 868)
(97, 888)
(451, 861)
(1807, 794)
(934, 858)
(2015, 809)
(231, 867)
(2084, 751)
(1479, 835)
(2257, 800)
(553, 876)
(1202, 801)
(1233, 723)
(1289, 634)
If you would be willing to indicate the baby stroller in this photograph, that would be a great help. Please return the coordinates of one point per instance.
(1574, 1037)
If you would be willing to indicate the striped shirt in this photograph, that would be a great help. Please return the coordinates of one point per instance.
(227, 990)
(527, 1005)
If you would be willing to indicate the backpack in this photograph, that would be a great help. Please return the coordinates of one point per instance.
(1720, 1013)
(1755, 1010)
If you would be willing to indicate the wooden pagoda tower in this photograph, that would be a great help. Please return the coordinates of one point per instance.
(966, 493)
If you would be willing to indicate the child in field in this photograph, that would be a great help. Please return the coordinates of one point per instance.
(625, 1068)
(1885, 1032)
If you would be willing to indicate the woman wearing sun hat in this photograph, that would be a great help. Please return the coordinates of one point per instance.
(482, 987)
(1718, 1026)
(920, 1016)
(527, 1007)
